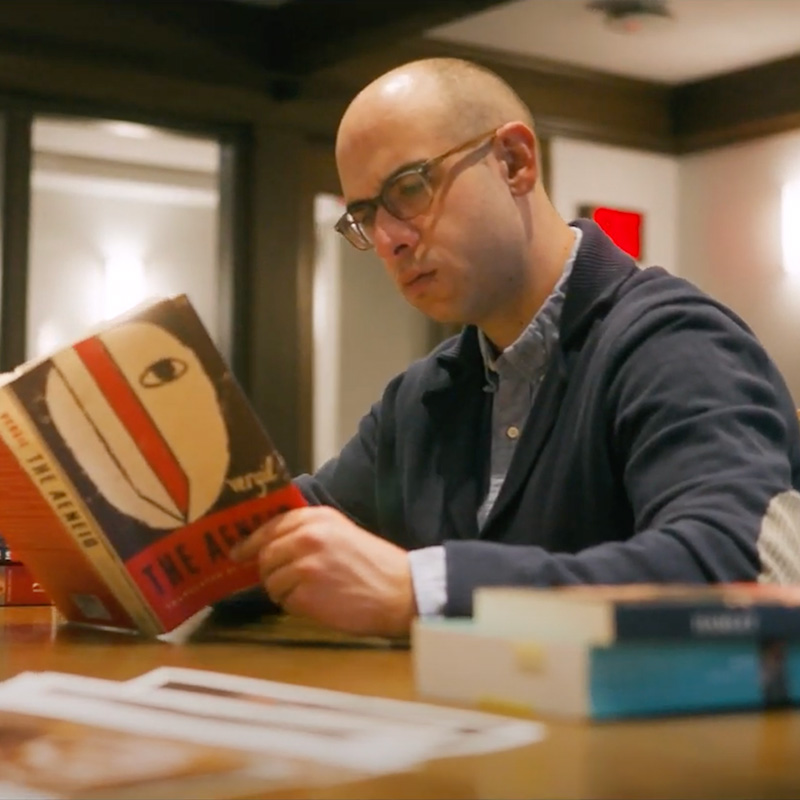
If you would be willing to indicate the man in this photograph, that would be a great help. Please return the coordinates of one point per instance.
(594, 422)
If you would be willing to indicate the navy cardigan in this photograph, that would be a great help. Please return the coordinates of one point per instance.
(661, 439)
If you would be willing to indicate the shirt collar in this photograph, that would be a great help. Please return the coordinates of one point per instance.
(531, 351)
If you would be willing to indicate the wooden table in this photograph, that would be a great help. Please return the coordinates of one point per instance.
(736, 755)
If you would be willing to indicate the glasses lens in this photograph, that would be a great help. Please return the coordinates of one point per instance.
(353, 231)
(407, 194)
(358, 238)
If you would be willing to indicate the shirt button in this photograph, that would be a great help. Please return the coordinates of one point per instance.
(512, 432)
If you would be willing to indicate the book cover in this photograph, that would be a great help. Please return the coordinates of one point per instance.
(459, 661)
(608, 614)
(130, 463)
(19, 588)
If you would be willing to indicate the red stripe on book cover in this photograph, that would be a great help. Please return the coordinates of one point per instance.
(21, 589)
(189, 568)
(56, 560)
(133, 415)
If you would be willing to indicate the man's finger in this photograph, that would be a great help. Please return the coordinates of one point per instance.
(251, 545)
(280, 583)
(272, 529)
(274, 555)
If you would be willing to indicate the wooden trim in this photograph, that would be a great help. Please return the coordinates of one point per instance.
(266, 46)
(235, 224)
(737, 106)
(565, 101)
(16, 199)
(279, 294)
(54, 52)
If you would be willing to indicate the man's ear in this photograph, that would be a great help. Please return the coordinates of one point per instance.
(516, 148)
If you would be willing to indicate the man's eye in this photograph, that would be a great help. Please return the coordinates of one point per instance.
(408, 186)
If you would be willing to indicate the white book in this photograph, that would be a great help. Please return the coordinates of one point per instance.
(464, 661)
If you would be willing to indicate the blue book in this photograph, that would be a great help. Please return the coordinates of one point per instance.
(458, 660)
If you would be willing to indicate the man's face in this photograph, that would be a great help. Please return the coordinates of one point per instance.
(457, 261)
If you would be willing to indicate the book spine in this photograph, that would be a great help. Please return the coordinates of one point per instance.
(705, 621)
(70, 523)
(20, 588)
(682, 677)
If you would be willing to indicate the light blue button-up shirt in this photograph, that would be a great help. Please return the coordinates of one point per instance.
(513, 376)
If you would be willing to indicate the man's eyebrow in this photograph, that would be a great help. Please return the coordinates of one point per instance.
(409, 165)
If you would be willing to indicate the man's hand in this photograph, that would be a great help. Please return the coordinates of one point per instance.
(316, 563)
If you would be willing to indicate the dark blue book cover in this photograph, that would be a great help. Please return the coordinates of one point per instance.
(725, 611)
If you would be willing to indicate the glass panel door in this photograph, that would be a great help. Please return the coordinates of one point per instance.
(120, 212)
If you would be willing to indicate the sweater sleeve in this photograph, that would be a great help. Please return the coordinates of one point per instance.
(347, 481)
(702, 429)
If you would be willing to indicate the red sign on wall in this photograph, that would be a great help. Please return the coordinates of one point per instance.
(625, 228)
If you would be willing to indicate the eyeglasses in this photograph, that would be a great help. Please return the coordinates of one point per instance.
(404, 195)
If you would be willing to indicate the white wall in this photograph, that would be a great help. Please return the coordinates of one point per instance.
(326, 327)
(730, 223)
(583, 173)
(713, 218)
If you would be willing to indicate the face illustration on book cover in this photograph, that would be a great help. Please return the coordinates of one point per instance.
(150, 427)
(127, 403)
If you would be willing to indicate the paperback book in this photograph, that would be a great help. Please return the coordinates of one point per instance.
(462, 661)
(603, 615)
(130, 463)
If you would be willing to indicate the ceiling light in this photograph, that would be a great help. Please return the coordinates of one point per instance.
(632, 16)
(128, 130)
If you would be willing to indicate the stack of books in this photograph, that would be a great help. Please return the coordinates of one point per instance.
(17, 586)
(604, 652)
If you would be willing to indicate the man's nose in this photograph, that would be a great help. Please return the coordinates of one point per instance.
(393, 236)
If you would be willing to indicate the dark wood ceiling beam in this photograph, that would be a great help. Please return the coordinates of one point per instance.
(123, 33)
(313, 55)
(736, 106)
(311, 34)
(296, 37)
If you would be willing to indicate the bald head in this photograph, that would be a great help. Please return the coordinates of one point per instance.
(439, 168)
(450, 97)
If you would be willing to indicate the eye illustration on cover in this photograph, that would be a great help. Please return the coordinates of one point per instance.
(141, 415)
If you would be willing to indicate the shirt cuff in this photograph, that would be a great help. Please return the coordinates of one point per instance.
(429, 579)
